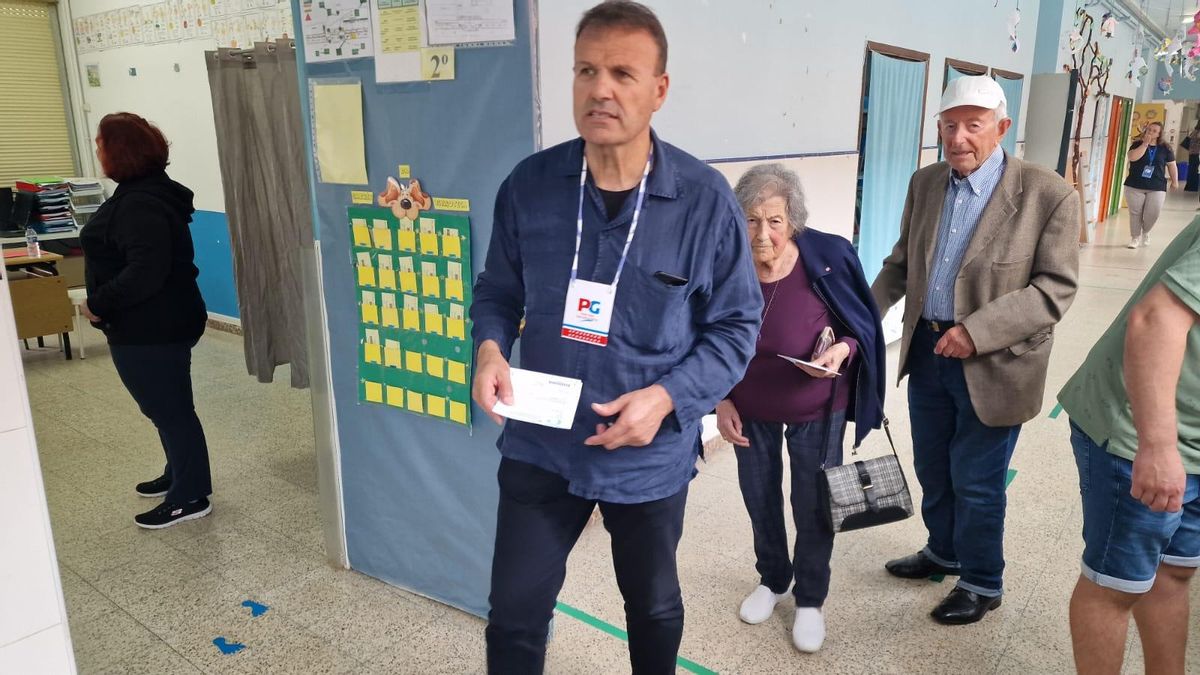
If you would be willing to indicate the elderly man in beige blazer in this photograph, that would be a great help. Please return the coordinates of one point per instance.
(987, 259)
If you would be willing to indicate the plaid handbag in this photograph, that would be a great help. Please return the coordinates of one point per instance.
(867, 492)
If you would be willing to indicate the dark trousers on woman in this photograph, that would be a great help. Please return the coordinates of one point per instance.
(760, 474)
(159, 377)
(1193, 177)
(537, 525)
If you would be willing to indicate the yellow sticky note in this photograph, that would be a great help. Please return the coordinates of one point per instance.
(366, 275)
(362, 234)
(454, 289)
(436, 406)
(451, 204)
(451, 245)
(404, 171)
(387, 278)
(408, 282)
(370, 314)
(391, 357)
(395, 396)
(412, 361)
(412, 320)
(374, 391)
(391, 317)
(433, 322)
(456, 371)
(407, 240)
(382, 237)
(415, 402)
(458, 412)
(437, 63)
(361, 197)
(372, 352)
(456, 328)
(435, 365)
(429, 243)
(337, 111)
(431, 286)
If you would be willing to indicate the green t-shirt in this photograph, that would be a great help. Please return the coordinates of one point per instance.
(1095, 396)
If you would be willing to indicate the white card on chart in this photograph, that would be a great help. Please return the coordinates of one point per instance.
(538, 398)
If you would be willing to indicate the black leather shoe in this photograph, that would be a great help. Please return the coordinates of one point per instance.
(962, 607)
(918, 566)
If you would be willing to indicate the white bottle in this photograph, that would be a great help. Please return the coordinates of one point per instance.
(32, 248)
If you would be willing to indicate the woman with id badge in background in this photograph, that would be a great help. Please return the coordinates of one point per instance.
(1151, 162)
(819, 361)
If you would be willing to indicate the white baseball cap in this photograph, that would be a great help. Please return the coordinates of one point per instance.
(977, 90)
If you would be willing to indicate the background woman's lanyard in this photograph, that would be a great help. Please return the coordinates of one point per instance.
(637, 212)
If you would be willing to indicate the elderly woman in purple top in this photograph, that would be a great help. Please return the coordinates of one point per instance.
(810, 281)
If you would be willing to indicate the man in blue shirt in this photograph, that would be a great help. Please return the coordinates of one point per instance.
(651, 300)
(988, 259)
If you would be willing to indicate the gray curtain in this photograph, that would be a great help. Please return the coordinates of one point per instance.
(260, 141)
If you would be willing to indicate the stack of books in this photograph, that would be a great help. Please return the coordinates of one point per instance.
(51, 211)
(86, 197)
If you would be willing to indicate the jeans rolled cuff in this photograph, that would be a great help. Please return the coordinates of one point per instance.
(980, 590)
(1179, 561)
(1122, 585)
(938, 559)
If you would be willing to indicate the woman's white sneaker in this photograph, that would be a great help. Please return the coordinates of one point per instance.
(759, 605)
(808, 629)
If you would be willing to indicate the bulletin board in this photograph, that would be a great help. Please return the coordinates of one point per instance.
(419, 491)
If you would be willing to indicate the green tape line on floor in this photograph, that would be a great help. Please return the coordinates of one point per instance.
(1008, 479)
(612, 630)
(1056, 412)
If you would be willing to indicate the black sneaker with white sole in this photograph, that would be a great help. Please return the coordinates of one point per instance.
(154, 488)
(167, 514)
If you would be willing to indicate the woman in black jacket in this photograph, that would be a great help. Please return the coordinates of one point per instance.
(142, 293)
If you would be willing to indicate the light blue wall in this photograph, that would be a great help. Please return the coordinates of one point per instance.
(1049, 33)
(214, 257)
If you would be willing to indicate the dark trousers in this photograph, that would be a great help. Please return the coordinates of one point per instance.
(538, 523)
(962, 465)
(760, 474)
(159, 377)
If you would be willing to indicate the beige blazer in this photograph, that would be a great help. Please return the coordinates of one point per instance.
(1017, 279)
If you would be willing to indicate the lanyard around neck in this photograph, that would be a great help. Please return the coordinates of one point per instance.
(637, 212)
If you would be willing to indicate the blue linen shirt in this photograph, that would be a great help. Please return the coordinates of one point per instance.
(695, 339)
(966, 198)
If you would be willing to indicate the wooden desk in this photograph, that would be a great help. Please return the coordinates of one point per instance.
(41, 305)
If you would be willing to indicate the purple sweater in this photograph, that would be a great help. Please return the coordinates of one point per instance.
(774, 390)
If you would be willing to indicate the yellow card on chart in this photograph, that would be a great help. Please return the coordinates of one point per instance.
(372, 353)
(366, 275)
(456, 371)
(391, 357)
(382, 236)
(362, 235)
(370, 314)
(451, 244)
(412, 361)
(415, 402)
(412, 320)
(436, 406)
(456, 328)
(433, 321)
(435, 366)
(458, 412)
(408, 282)
(391, 317)
(431, 286)
(454, 289)
(395, 396)
(429, 243)
(374, 391)
(387, 278)
(408, 240)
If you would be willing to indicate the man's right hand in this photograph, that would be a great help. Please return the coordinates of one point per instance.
(492, 379)
(729, 423)
(1159, 479)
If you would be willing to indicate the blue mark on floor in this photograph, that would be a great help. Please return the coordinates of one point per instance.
(228, 647)
(1056, 412)
(255, 608)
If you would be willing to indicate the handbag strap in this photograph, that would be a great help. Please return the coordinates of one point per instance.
(828, 424)
(887, 430)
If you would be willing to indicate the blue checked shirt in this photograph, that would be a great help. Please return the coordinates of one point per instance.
(966, 198)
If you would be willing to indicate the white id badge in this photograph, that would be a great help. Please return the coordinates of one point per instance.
(588, 312)
(1148, 171)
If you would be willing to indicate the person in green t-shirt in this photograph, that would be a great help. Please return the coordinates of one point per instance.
(1134, 406)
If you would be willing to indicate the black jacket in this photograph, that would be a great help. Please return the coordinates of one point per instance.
(137, 250)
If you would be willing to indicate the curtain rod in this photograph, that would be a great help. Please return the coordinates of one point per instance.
(270, 48)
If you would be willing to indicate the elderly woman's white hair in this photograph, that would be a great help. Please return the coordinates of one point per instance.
(764, 181)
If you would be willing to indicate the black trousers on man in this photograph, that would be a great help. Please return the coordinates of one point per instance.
(538, 525)
(159, 377)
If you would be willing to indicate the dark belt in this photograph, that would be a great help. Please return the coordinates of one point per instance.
(937, 326)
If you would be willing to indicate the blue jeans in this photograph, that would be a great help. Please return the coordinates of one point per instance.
(1123, 540)
(760, 475)
(961, 464)
(537, 525)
